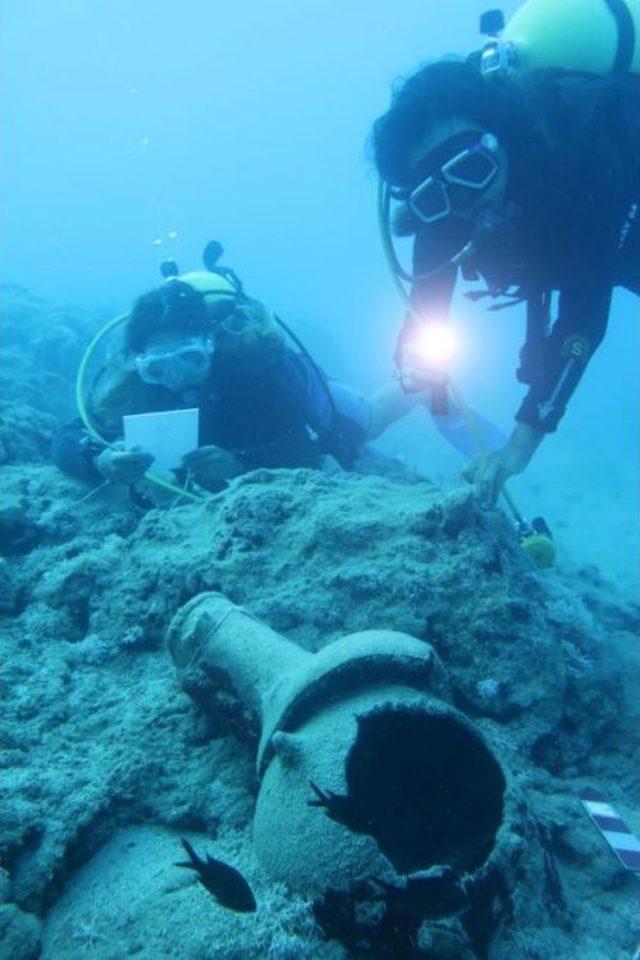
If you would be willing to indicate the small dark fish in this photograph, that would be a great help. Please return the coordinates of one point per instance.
(437, 892)
(342, 809)
(223, 882)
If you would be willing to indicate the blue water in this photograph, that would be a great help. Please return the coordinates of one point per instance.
(248, 122)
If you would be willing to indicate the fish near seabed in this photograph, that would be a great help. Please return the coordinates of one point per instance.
(342, 809)
(224, 882)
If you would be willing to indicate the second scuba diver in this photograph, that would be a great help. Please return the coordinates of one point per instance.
(530, 182)
(199, 341)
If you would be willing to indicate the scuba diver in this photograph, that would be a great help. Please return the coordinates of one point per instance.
(520, 167)
(200, 341)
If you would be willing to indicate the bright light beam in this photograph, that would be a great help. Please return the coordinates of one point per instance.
(435, 344)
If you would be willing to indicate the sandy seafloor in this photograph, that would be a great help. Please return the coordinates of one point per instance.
(106, 762)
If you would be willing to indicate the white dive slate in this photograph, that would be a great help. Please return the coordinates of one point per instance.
(167, 435)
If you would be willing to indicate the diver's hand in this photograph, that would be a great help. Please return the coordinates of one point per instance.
(123, 466)
(490, 471)
(212, 465)
(419, 373)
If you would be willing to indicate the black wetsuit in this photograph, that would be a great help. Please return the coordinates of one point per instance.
(571, 224)
(279, 416)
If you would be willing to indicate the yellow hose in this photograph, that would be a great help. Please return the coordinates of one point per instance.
(91, 429)
(82, 371)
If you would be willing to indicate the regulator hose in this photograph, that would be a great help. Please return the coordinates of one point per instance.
(92, 429)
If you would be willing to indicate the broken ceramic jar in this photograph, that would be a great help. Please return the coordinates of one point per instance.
(376, 794)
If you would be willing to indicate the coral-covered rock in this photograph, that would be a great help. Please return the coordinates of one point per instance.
(96, 734)
(20, 933)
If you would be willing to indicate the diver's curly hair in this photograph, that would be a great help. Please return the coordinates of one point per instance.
(439, 91)
(175, 307)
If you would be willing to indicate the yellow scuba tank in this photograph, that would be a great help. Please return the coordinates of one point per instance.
(208, 283)
(594, 36)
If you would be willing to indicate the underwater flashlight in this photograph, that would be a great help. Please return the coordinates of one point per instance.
(434, 345)
(426, 356)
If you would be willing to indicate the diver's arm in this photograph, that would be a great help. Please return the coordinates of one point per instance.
(467, 430)
(388, 404)
(112, 393)
(431, 297)
(490, 471)
(77, 454)
(371, 415)
(554, 366)
(74, 452)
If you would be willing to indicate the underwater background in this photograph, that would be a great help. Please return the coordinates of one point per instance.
(134, 131)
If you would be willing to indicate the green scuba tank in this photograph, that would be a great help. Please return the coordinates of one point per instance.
(594, 36)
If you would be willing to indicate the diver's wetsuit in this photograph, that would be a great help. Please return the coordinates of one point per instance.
(280, 416)
(571, 224)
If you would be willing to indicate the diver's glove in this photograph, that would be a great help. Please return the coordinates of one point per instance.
(123, 466)
(210, 466)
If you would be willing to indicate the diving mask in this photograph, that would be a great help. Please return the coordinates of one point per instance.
(184, 365)
(457, 175)
(450, 197)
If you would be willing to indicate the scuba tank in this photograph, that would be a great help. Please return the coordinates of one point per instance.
(590, 36)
